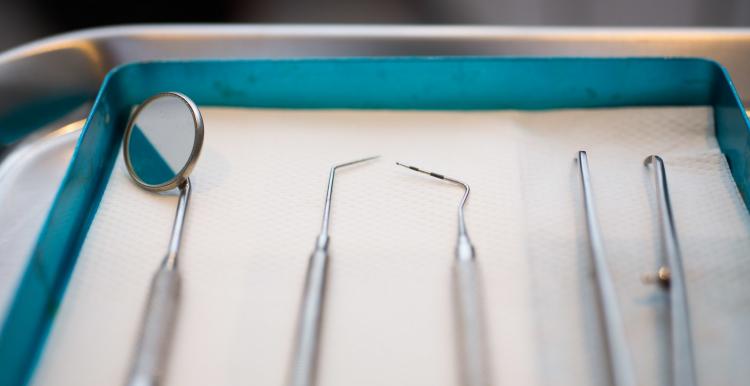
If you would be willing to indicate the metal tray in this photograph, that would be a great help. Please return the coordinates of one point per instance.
(393, 83)
(54, 81)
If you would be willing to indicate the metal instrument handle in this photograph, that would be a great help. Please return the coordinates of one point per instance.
(156, 329)
(304, 365)
(472, 349)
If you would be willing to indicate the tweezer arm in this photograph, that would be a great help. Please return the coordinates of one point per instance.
(621, 366)
(683, 367)
(307, 342)
(469, 315)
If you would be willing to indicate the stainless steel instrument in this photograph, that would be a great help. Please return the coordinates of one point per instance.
(158, 160)
(307, 342)
(469, 314)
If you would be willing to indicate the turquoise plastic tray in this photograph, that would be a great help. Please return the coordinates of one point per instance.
(383, 83)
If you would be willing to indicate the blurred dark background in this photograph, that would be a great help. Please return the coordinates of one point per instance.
(26, 20)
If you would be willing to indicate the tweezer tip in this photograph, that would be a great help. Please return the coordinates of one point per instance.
(651, 159)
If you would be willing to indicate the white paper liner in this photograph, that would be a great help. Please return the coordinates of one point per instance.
(256, 210)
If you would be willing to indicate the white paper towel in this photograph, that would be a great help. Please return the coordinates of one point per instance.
(256, 210)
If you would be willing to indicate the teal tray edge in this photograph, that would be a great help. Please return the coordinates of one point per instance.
(454, 83)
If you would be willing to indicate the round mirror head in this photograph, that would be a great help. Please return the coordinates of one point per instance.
(162, 141)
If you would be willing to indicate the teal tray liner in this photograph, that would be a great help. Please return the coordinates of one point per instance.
(455, 83)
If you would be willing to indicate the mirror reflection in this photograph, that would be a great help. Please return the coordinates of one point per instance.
(161, 140)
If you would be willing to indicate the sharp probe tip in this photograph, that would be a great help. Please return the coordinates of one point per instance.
(416, 169)
(367, 159)
(355, 162)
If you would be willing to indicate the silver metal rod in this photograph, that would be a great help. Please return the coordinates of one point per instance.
(307, 340)
(621, 366)
(170, 261)
(329, 192)
(461, 204)
(157, 327)
(472, 348)
(683, 367)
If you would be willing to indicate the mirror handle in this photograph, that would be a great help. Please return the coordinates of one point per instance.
(157, 329)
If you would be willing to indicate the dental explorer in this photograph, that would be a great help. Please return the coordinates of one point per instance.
(307, 342)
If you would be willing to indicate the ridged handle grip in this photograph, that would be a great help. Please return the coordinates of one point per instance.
(157, 329)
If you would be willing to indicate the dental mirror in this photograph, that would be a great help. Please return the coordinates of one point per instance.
(162, 143)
